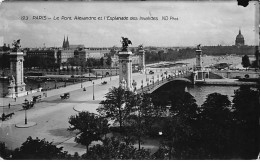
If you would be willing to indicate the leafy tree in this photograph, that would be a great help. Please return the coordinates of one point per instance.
(185, 105)
(245, 61)
(4, 152)
(112, 51)
(215, 127)
(246, 114)
(116, 106)
(109, 61)
(113, 149)
(178, 129)
(216, 108)
(101, 61)
(36, 149)
(138, 120)
(90, 126)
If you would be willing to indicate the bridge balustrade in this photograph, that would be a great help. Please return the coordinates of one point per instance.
(154, 85)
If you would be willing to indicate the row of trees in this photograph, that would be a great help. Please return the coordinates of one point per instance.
(170, 55)
(218, 129)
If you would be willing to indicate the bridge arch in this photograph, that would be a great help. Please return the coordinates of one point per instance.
(171, 84)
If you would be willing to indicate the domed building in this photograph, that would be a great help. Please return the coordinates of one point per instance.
(240, 41)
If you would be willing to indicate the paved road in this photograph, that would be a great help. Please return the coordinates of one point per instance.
(52, 114)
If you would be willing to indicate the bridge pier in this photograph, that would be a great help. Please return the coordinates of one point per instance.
(125, 69)
(17, 85)
(141, 54)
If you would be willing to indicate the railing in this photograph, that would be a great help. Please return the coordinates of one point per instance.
(157, 84)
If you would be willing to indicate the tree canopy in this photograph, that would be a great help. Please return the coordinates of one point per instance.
(90, 126)
(245, 61)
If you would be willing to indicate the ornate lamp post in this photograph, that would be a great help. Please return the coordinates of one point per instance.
(26, 105)
(45, 89)
(81, 79)
(142, 86)
(3, 115)
(89, 74)
(93, 92)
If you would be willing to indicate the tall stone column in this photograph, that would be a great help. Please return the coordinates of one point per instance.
(17, 85)
(198, 59)
(141, 54)
(125, 69)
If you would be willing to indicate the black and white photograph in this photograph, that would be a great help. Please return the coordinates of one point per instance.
(129, 80)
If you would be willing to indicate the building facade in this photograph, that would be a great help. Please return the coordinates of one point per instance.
(63, 55)
(40, 57)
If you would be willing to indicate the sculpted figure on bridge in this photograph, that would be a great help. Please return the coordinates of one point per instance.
(199, 47)
(140, 47)
(16, 45)
(125, 42)
(12, 80)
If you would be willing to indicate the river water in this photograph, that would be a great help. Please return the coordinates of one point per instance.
(200, 92)
(30, 84)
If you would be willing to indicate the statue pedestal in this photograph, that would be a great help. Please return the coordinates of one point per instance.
(17, 85)
(125, 68)
(16, 90)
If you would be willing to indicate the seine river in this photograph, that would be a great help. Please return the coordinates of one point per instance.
(199, 92)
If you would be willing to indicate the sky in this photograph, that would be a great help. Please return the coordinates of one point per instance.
(206, 23)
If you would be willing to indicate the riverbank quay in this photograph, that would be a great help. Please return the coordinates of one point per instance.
(225, 82)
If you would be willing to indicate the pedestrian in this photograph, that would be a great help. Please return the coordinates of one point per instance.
(15, 99)
(9, 105)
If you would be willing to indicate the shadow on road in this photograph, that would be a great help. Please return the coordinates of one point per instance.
(62, 132)
(76, 102)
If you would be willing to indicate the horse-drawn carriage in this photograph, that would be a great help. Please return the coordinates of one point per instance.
(36, 98)
(65, 96)
(6, 116)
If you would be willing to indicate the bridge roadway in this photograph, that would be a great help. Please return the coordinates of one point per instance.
(51, 115)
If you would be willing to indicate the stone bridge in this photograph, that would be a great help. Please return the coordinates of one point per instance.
(182, 76)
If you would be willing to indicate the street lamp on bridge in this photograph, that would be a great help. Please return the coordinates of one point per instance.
(153, 80)
(93, 92)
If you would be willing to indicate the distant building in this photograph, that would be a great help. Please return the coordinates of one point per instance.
(63, 55)
(81, 54)
(43, 58)
(42, 54)
(240, 41)
(96, 52)
(76, 47)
